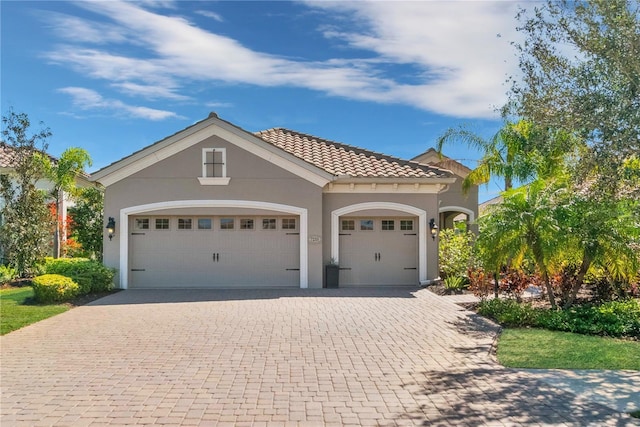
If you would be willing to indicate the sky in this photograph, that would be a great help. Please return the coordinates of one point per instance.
(113, 77)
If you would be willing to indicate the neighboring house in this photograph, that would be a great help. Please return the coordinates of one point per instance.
(7, 166)
(217, 206)
(454, 205)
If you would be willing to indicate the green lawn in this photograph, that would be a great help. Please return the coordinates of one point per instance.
(18, 310)
(542, 349)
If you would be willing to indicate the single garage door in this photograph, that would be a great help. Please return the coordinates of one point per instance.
(214, 251)
(378, 251)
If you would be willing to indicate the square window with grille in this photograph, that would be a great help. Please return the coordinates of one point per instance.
(214, 163)
(162, 223)
(406, 224)
(388, 224)
(142, 223)
(204, 223)
(366, 224)
(268, 223)
(185, 223)
(227, 223)
(348, 225)
(246, 224)
(288, 223)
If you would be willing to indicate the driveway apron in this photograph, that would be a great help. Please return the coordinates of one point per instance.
(340, 357)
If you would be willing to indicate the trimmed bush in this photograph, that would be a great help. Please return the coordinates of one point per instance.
(90, 275)
(7, 274)
(613, 318)
(50, 288)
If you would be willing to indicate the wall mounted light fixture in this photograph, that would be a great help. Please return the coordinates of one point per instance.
(111, 227)
(434, 228)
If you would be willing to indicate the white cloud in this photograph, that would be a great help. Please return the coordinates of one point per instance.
(87, 99)
(458, 63)
(210, 14)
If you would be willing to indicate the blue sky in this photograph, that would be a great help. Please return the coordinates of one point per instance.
(113, 77)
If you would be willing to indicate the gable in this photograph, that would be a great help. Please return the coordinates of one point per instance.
(203, 132)
(431, 157)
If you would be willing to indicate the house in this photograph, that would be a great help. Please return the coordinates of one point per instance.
(7, 167)
(454, 204)
(217, 206)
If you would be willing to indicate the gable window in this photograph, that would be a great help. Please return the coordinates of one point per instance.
(204, 223)
(214, 167)
(184, 223)
(162, 223)
(142, 223)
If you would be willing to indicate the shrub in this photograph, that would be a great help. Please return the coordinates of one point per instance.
(455, 252)
(509, 312)
(514, 283)
(92, 276)
(455, 284)
(54, 288)
(7, 274)
(480, 282)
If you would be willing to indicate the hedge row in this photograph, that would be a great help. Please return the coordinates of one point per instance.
(612, 318)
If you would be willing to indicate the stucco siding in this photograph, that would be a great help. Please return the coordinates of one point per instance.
(251, 178)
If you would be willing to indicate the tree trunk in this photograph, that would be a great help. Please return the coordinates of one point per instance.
(539, 259)
(56, 233)
(584, 267)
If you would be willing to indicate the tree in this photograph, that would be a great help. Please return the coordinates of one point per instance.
(524, 225)
(24, 233)
(580, 73)
(513, 153)
(62, 174)
(87, 220)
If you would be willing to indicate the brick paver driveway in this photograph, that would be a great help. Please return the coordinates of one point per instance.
(277, 357)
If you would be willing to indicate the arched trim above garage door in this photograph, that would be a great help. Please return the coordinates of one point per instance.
(247, 204)
(422, 227)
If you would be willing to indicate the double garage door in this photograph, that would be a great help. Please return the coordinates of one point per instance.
(214, 251)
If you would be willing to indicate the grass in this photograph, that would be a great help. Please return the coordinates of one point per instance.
(542, 349)
(17, 309)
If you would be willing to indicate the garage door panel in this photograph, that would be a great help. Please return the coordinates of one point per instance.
(214, 258)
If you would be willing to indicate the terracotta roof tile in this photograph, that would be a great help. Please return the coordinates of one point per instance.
(341, 159)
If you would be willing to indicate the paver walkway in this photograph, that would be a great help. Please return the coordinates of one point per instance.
(273, 357)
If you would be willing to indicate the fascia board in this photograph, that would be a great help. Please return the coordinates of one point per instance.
(199, 132)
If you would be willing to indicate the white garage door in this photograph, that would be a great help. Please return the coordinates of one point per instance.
(214, 251)
(378, 251)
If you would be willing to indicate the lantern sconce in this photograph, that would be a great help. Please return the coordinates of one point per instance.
(434, 228)
(111, 227)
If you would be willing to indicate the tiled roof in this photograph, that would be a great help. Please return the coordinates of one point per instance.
(345, 160)
(7, 158)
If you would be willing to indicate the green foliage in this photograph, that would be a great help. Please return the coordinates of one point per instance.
(455, 252)
(87, 217)
(62, 173)
(26, 222)
(7, 274)
(613, 318)
(579, 64)
(455, 284)
(90, 275)
(50, 288)
(18, 310)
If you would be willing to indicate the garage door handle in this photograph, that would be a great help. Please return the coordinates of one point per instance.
(216, 257)
(377, 256)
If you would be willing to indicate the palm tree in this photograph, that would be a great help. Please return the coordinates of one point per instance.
(518, 151)
(62, 174)
(523, 226)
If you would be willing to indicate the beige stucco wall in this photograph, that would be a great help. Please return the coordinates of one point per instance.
(426, 202)
(454, 196)
(252, 178)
